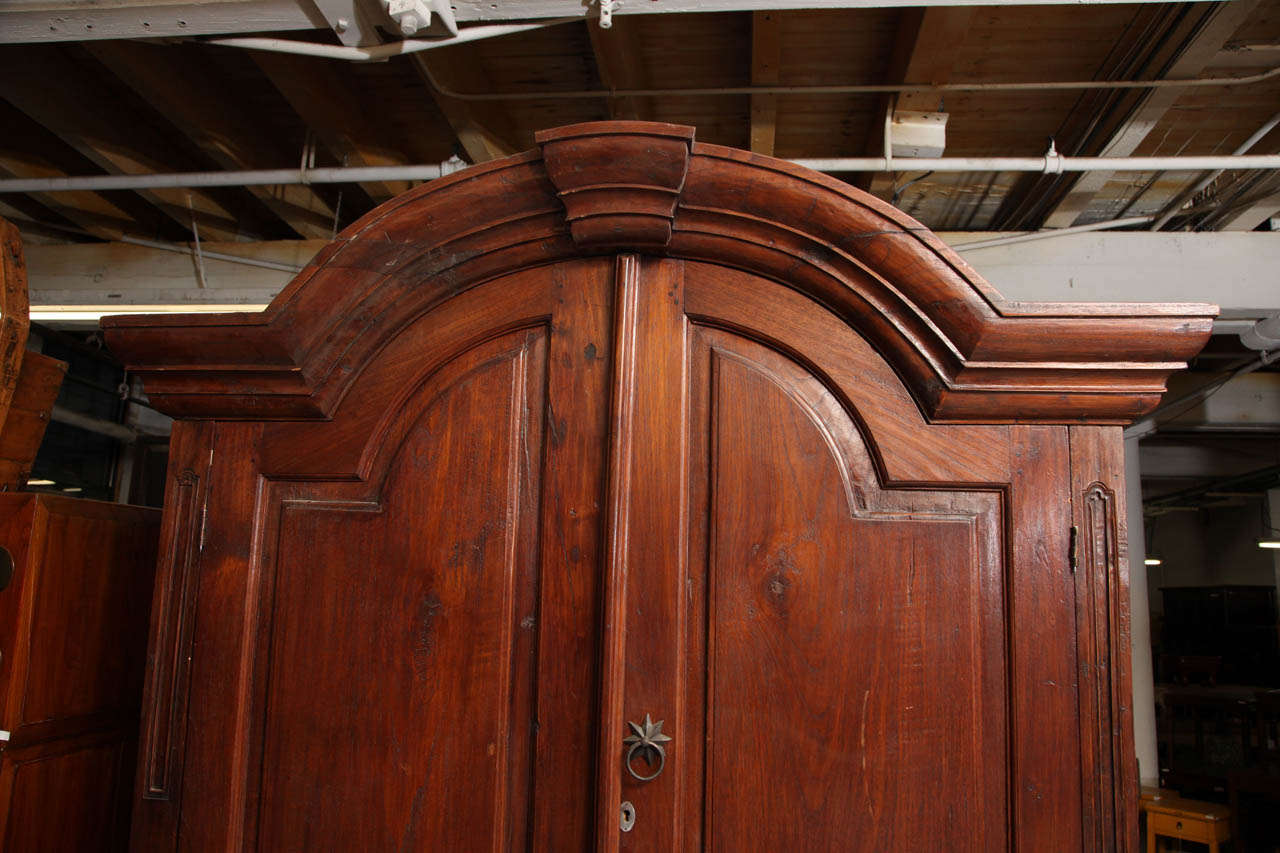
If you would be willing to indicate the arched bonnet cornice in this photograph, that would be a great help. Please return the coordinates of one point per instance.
(964, 352)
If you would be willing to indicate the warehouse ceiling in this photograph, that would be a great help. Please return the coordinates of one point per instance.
(89, 89)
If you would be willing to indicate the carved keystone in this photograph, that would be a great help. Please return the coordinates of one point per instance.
(619, 181)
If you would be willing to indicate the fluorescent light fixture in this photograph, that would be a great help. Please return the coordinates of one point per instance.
(39, 482)
(73, 489)
(1153, 561)
(1273, 544)
(93, 313)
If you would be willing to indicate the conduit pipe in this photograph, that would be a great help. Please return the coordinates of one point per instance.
(856, 89)
(379, 52)
(1175, 206)
(245, 178)
(181, 249)
(1053, 232)
(1050, 164)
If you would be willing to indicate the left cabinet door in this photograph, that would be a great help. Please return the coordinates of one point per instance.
(420, 663)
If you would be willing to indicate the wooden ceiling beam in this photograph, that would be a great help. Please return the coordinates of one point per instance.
(119, 135)
(925, 51)
(1219, 24)
(87, 211)
(326, 101)
(484, 130)
(211, 118)
(28, 150)
(620, 66)
(766, 61)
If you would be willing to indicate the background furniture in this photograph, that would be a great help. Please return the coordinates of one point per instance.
(1186, 820)
(29, 381)
(73, 617)
(634, 457)
(1236, 624)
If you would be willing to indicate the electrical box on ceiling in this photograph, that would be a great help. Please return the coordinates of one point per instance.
(917, 134)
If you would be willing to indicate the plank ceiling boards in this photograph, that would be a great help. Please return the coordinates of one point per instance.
(552, 59)
(701, 50)
(1004, 45)
(116, 107)
(824, 48)
(120, 132)
(1213, 121)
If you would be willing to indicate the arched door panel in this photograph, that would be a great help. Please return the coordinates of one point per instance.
(855, 635)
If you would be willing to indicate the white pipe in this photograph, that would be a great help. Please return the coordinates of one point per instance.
(1263, 335)
(214, 256)
(1054, 232)
(1149, 424)
(378, 52)
(855, 89)
(1052, 164)
(246, 178)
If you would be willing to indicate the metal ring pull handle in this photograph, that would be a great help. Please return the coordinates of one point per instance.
(647, 740)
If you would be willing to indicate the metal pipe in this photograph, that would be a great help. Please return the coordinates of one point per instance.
(1050, 164)
(1149, 424)
(1054, 232)
(178, 248)
(1171, 210)
(215, 256)
(244, 178)
(378, 52)
(862, 88)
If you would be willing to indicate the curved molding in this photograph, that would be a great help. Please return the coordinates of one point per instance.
(965, 354)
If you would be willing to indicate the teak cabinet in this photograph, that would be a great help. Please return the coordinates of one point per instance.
(630, 429)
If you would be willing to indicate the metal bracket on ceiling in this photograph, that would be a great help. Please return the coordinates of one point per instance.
(366, 23)
(607, 8)
(414, 15)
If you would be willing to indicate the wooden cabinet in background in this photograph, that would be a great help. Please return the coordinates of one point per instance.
(73, 626)
(630, 430)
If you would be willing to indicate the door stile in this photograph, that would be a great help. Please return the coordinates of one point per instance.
(648, 512)
(613, 635)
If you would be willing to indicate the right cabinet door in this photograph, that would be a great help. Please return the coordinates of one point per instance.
(819, 592)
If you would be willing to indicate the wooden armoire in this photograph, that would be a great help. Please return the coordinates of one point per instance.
(637, 493)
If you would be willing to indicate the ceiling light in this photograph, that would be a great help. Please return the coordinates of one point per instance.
(39, 482)
(73, 489)
(94, 313)
(1152, 561)
(1273, 544)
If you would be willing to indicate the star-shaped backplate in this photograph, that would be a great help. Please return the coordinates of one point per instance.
(648, 735)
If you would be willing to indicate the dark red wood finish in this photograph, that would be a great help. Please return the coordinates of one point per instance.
(72, 641)
(634, 426)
